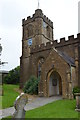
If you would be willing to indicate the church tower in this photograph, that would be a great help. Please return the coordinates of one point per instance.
(36, 30)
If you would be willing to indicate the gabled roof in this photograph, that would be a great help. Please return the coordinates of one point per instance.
(67, 58)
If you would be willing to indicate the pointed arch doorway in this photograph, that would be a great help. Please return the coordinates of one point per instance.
(54, 83)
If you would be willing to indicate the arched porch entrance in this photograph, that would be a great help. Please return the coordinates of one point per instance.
(54, 83)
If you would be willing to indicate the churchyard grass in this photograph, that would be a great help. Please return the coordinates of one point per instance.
(9, 95)
(57, 109)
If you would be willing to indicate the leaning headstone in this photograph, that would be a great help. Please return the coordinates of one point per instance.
(19, 106)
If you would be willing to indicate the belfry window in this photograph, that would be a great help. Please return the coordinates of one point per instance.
(30, 30)
(48, 31)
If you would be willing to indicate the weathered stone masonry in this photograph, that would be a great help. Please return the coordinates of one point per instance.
(55, 63)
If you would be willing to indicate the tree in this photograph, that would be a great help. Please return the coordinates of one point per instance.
(13, 76)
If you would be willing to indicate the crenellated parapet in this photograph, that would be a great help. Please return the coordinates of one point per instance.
(63, 42)
(38, 14)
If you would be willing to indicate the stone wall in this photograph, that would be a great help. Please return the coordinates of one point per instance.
(60, 66)
(40, 29)
(68, 46)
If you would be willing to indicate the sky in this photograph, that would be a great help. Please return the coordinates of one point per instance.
(63, 13)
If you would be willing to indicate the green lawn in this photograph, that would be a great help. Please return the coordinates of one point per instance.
(57, 109)
(9, 95)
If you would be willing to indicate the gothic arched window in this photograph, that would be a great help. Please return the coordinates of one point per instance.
(30, 30)
(48, 31)
(40, 62)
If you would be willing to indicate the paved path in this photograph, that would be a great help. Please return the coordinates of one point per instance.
(37, 102)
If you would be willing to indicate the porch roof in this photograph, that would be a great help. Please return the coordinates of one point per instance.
(67, 58)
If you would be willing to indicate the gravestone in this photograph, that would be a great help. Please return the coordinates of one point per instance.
(19, 106)
(77, 102)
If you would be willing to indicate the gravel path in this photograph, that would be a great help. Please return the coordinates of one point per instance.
(37, 102)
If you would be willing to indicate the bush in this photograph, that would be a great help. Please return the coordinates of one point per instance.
(31, 86)
(76, 90)
(13, 76)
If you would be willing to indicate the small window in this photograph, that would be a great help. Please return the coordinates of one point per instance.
(48, 31)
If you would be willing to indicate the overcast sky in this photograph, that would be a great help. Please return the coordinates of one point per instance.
(63, 13)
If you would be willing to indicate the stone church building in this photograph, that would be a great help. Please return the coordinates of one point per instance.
(55, 63)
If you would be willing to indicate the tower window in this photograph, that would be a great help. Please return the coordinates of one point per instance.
(30, 30)
(44, 24)
(48, 31)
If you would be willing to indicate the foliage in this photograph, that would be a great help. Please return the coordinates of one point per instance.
(31, 86)
(9, 95)
(76, 90)
(56, 109)
(13, 76)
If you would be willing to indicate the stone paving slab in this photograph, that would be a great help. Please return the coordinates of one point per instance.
(37, 102)
(6, 112)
